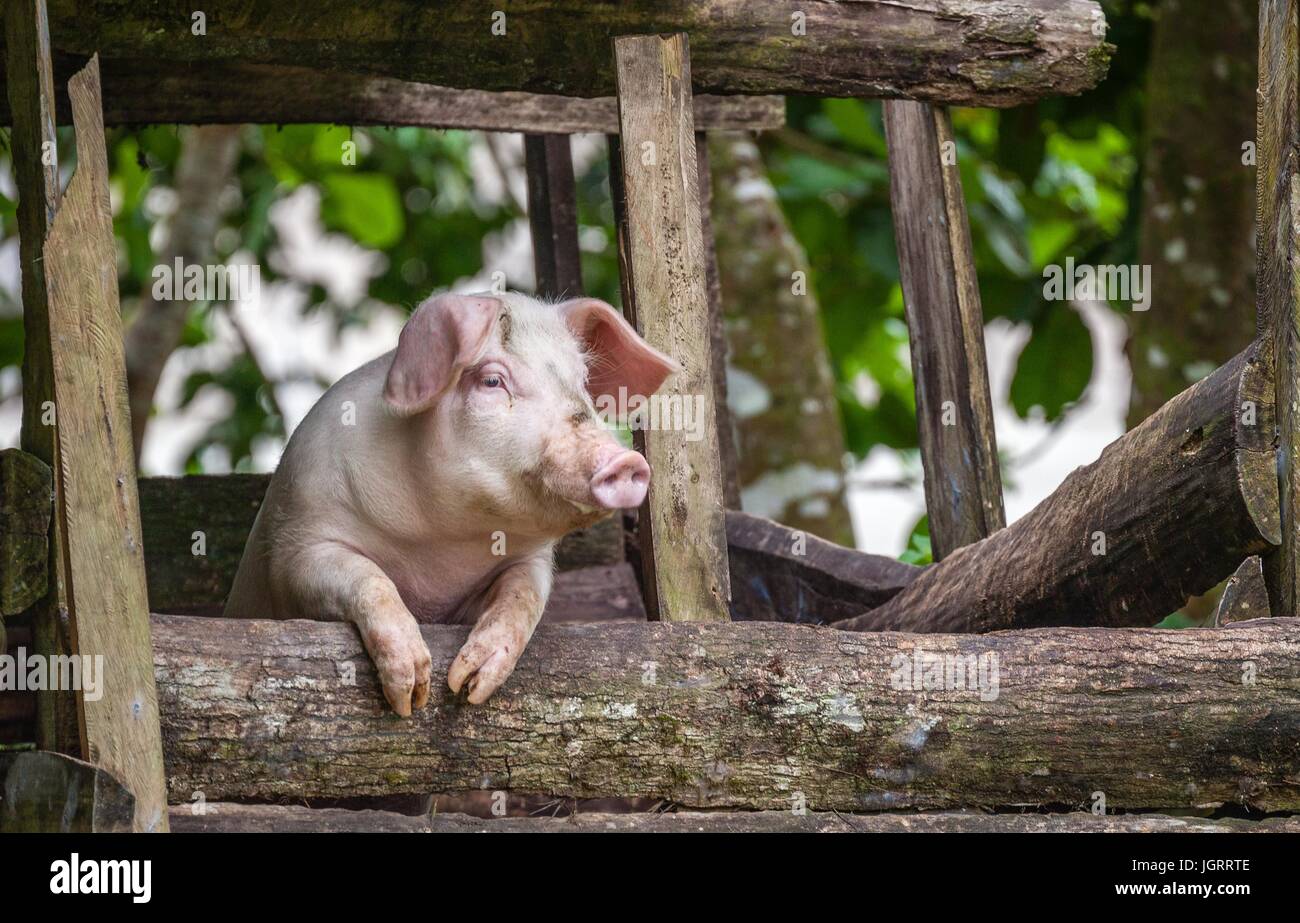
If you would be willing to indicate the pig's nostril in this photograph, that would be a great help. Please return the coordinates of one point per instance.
(622, 483)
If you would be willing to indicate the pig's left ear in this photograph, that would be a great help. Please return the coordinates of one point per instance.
(617, 356)
(444, 336)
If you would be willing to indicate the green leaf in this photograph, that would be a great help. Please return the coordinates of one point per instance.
(365, 206)
(1055, 365)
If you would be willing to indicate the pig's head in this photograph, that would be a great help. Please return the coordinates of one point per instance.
(502, 391)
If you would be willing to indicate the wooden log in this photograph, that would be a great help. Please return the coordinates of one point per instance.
(35, 156)
(750, 716)
(264, 818)
(553, 215)
(1245, 596)
(235, 92)
(986, 53)
(1277, 227)
(788, 575)
(1167, 512)
(53, 793)
(95, 485)
(682, 529)
(959, 452)
(195, 529)
(26, 503)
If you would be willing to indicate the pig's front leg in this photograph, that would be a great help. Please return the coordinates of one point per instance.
(512, 607)
(333, 582)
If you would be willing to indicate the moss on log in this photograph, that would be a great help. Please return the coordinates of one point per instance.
(750, 716)
(964, 52)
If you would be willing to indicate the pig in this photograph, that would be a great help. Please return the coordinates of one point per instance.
(433, 484)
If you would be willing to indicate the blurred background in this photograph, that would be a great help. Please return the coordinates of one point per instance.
(1150, 168)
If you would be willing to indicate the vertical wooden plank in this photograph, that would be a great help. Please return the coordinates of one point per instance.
(95, 495)
(553, 215)
(683, 533)
(1277, 230)
(727, 458)
(963, 488)
(31, 98)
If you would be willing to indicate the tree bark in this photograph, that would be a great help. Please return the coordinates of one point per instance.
(964, 52)
(266, 818)
(749, 716)
(1168, 510)
(207, 163)
(790, 442)
(1198, 198)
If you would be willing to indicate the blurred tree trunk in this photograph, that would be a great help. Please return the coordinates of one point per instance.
(1198, 206)
(1198, 198)
(206, 165)
(789, 437)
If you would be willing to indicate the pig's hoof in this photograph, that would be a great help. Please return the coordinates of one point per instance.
(483, 664)
(402, 660)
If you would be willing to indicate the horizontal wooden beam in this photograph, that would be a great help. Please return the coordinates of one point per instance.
(231, 92)
(265, 818)
(1169, 510)
(963, 52)
(750, 715)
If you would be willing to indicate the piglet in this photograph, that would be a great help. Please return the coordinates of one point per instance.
(432, 484)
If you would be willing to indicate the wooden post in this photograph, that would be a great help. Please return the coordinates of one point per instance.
(963, 489)
(661, 251)
(1277, 232)
(36, 168)
(76, 419)
(553, 215)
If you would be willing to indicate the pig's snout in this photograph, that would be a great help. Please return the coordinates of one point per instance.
(621, 482)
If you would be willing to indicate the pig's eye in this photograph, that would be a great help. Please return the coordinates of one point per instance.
(493, 381)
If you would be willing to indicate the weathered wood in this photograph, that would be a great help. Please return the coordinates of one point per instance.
(964, 52)
(26, 505)
(553, 215)
(263, 818)
(747, 716)
(727, 460)
(222, 508)
(786, 575)
(53, 793)
(1246, 595)
(683, 533)
(95, 484)
(1277, 231)
(146, 92)
(36, 172)
(1168, 510)
(954, 411)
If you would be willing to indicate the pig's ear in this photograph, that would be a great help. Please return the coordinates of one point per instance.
(617, 356)
(445, 335)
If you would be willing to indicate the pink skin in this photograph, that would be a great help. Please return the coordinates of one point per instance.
(432, 484)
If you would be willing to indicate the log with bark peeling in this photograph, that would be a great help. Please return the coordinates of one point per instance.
(965, 52)
(1169, 510)
(749, 716)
